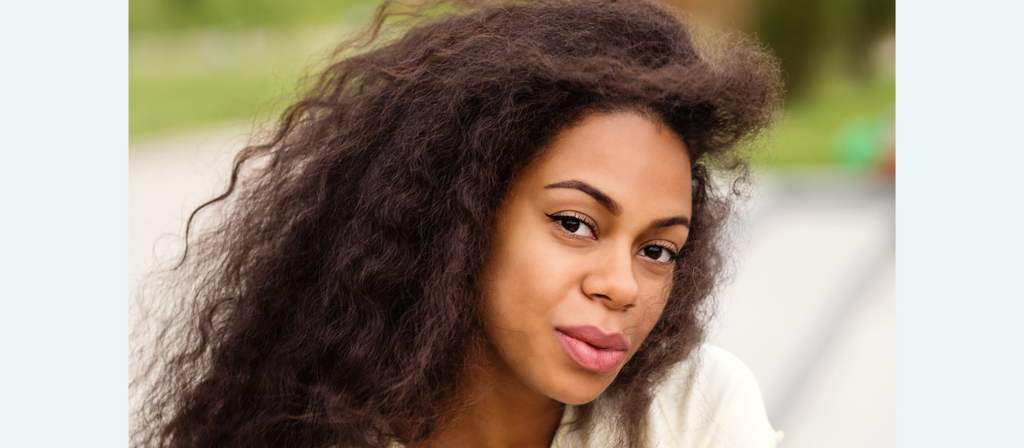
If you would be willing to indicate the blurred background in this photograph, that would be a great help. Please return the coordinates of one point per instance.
(811, 309)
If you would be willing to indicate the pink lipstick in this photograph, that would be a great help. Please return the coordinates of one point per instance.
(592, 348)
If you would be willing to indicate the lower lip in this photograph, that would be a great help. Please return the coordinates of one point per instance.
(589, 357)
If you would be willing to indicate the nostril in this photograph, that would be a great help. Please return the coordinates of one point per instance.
(622, 307)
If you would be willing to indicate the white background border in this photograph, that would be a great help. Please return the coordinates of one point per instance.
(64, 164)
(959, 215)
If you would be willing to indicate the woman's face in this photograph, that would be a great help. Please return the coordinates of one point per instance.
(582, 255)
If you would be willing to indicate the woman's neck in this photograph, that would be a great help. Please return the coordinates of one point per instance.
(499, 411)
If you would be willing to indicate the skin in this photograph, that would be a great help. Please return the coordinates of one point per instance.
(607, 265)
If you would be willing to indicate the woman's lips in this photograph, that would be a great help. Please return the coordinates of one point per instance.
(592, 348)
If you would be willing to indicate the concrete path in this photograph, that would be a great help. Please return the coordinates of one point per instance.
(811, 310)
(167, 178)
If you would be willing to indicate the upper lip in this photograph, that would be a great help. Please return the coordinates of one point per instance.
(596, 337)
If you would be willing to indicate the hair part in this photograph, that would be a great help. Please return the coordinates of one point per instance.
(335, 301)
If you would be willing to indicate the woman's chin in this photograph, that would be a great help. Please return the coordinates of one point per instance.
(576, 398)
(577, 391)
(577, 401)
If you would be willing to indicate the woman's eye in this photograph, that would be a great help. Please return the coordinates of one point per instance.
(659, 254)
(574, 225)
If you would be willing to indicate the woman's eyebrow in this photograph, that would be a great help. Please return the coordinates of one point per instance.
(669, 222)
(598, 195)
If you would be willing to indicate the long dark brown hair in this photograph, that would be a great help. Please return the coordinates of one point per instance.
(332, 298)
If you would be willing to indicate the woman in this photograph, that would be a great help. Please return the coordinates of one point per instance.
(497, 229)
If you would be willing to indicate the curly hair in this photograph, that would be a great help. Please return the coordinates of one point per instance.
(335, 300)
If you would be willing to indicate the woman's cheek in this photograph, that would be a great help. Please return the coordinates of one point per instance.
(648, 314)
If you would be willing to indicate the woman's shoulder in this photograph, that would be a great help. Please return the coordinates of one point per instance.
(710, 400)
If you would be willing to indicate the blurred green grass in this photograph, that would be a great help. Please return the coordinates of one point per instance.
(217, 77)
(814, 127)
(174, 103)
(177, 15)
(210, 63)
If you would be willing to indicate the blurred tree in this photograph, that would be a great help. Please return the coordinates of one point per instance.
(806, 34)
(792, 29)
(876, 18)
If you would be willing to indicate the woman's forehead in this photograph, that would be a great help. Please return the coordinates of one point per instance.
(624, 154)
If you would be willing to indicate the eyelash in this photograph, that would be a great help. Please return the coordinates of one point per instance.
(672, 255)
(560, 219)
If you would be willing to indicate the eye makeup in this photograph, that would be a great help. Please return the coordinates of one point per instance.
(573, 222)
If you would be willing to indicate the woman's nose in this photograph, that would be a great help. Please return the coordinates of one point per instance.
(612, 280)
